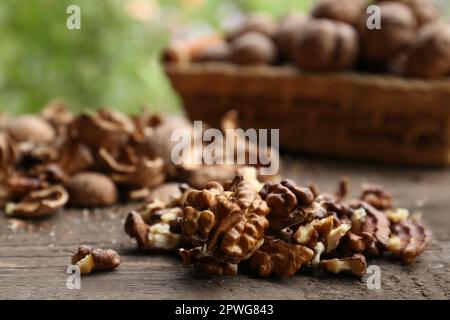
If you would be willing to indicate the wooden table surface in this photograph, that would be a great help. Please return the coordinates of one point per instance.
(34, 255)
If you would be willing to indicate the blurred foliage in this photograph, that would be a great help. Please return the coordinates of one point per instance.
(112, 60)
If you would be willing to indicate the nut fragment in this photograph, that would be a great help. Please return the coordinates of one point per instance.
(91, 189)
(155, 233)
(377, 197)
(280, 258)
(355, 264)
(289, 204)
(323, 230)
(408, 240)
(208, 265)
(88, 259)
(39, 203)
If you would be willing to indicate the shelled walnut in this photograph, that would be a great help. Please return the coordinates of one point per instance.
(151, 226)
(355, 264)
(229, 223)
(408, 239)
(289, 204)
(89, 260)
(280, 258)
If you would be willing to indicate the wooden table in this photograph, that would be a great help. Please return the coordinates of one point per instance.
(34, 255)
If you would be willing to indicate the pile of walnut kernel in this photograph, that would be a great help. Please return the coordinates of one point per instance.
(277, 228)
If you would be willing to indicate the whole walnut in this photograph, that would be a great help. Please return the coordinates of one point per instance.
(396, 34)
(288, 27)
(91, 189)
(426, 11)
(430, 55)
(257, 22)
(253, 48)
(326, 45)
(348, 11)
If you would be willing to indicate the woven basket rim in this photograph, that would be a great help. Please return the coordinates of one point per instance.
(290, 72)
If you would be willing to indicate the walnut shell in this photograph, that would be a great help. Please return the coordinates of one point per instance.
(348, 11)
(426, 11)
(107, 129)
(326, 45)
(30, 128)
(39, 203)
(253, 48)
(430, 55)
(91, 189)
(397, 34)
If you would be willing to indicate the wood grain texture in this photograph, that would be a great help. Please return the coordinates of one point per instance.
(34, 255)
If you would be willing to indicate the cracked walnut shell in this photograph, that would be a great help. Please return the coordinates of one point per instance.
(107, 129)
(39, 203)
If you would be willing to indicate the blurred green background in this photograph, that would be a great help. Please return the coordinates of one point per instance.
(112, 61)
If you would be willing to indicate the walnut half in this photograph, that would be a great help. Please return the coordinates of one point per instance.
(88, 259)
(355, 264)
(280, 258)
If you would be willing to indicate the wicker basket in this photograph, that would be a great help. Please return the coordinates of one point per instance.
(376, 117)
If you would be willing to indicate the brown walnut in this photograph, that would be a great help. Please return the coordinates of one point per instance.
(253, 48)
(326, 45)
